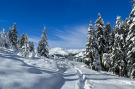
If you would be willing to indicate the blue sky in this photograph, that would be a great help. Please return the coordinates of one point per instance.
(66, 20)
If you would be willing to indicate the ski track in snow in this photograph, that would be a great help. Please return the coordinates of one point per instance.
(19, 73)
(81, 79)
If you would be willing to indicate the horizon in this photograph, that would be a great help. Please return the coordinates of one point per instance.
(67, 21)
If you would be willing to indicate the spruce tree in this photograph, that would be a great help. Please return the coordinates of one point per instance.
(100, 37)
(31, 46)
(13, 36)
(4, 40)
(107, 37)
(31, 49)
(112, 38)
(43, 45)
(90, 40)
(22, 40)
(92, 56)
(119, 48)
(24, 45)
(131, 43)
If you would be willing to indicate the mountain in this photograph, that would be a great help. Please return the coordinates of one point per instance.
(63, 51)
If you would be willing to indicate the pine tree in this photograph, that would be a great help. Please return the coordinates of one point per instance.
(131, 43)
(91, 36)
(43, 45)
(31, 49)
(100, 37)
(92, 56)
(24, 45)
(13, 36)
(31, 46)
(107, 37)
(112, 38)
(4, 41)
(22, 40)
(119, 48)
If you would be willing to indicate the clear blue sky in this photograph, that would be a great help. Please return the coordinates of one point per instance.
(63, 18)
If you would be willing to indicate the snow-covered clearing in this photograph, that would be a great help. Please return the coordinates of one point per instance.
(20, 73)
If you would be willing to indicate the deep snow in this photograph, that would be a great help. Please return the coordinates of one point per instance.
(17, 72)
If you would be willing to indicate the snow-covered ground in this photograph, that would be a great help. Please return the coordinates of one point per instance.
(20, 73)
(63, 51)
(58, 50)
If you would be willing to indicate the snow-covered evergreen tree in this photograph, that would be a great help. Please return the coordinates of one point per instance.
(91, 55)
(43, 45)
(90, 40)
(131, 43)
(112, 38)
(31, 49)
(25, 47)
(4, 40)
(119, 48)
(107, 37)
(31, 46)
(22, 40)
(108, 42)
(99, 21)
(13, 36)
(100, 37)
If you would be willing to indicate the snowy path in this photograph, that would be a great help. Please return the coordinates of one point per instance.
(19, 73)
(103, 80)
(81, 82)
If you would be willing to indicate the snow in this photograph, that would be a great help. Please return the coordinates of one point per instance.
(14, 73)
(132, 24)
(75, 51)
(80, 54)
(103, 80)
(119, 36)
(63, 51)
(57, 50)
(17, 72)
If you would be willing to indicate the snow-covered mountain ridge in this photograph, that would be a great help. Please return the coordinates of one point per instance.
(64, 51)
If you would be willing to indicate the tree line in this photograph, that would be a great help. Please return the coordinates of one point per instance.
(22, 45)
(112, 49)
